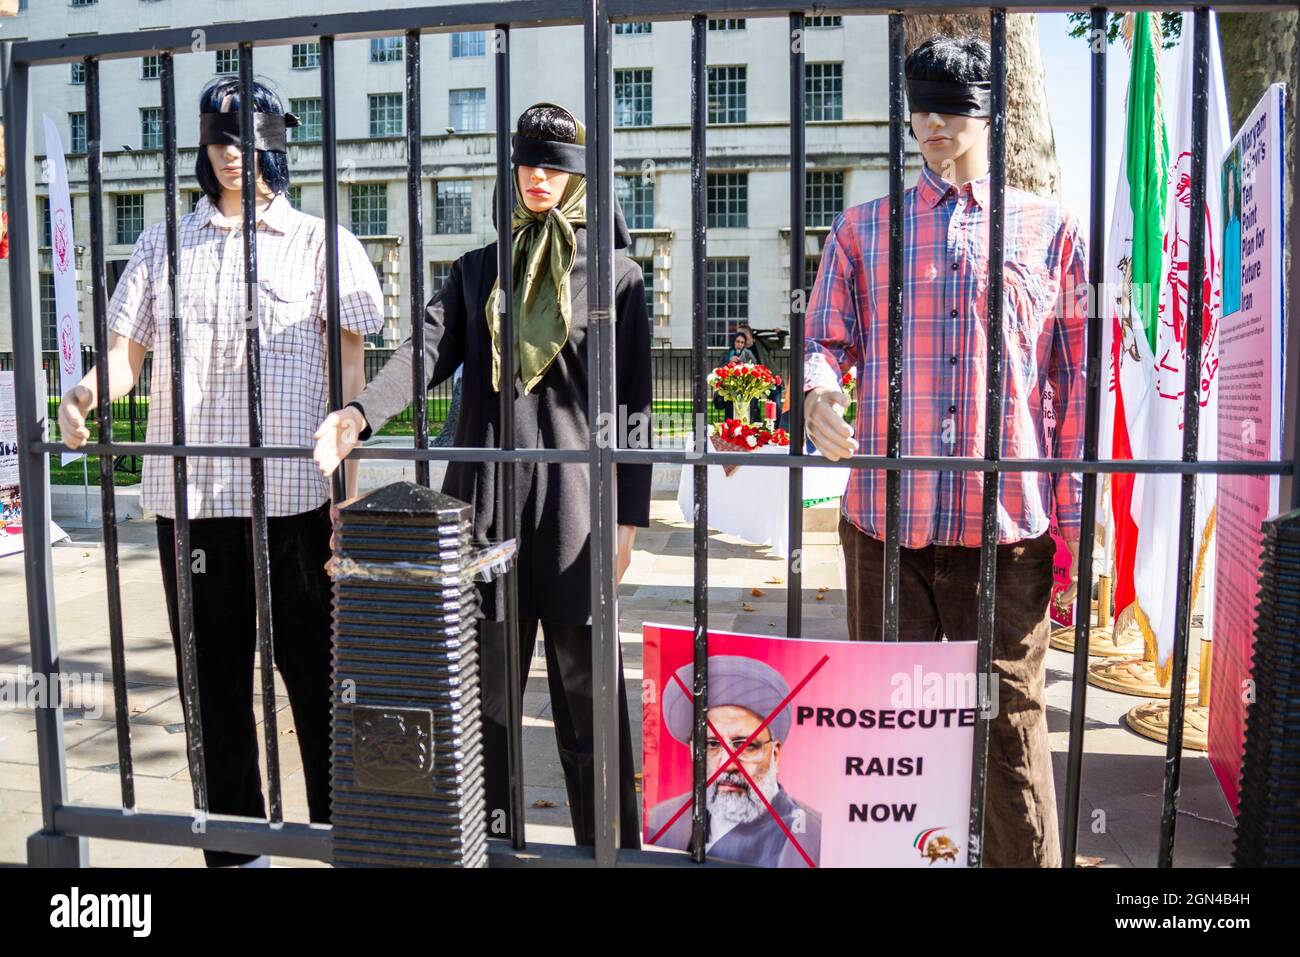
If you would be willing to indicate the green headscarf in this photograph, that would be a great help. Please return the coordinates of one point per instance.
(545, 249)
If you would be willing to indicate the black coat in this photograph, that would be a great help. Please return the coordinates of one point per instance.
(553, 505)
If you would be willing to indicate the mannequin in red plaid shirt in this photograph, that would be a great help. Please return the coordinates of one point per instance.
(946, 220)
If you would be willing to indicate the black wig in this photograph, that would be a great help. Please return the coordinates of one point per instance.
(273, 165)
(951, 59)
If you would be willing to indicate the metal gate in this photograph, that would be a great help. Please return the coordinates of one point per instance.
(66, 825)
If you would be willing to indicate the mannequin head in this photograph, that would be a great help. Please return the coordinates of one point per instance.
(541, 187)
(953, 140)
(218, 167)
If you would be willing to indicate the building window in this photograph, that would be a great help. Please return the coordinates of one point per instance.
(49, 324)
(45, 220)
(129, 221)
(726, 23)
(823, 196)
(647, 265)
(84, 3)
(452, 211)
(727, 297)
(307, 109)
(727, 94)
(151, 131)
(195, 196)
(228, 61)
(468, 110)
(823, 97)
(632, 97)
(386, 49)
(304, 56)
(149, 67)
(471, 43)
(822, 23)
(810, 267)
(76, 132)
(728, 199)
(636, 194)
(369, 202)
(295, 197)
(635, 28)
(78, 73)
(385, 115)
(439, 271)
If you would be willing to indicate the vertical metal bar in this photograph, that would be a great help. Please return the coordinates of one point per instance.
(180, 480)
(415, 237)
(605, 661)
(1191, 434)
(261, 543)
(107, 492)
(798, 309)
(508, 585)
(1091, 428)
(1289, 488)
(49, 848)
(330, 184)
(893, 478)
(992, 432)
(700, 388)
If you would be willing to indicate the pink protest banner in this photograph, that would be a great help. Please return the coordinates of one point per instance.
(1250, 421)
(820, 753)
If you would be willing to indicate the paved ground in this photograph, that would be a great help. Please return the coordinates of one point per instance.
(1122, 772)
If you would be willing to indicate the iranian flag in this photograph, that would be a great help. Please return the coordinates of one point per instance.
(1148, 348)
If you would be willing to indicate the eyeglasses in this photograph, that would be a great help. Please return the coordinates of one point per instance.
(748, 753)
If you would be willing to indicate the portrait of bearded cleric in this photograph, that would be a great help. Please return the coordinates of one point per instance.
(751, 818)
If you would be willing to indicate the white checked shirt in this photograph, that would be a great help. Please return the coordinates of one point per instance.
(291, 323)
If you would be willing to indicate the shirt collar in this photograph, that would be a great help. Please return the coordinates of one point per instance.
(275, 216)
(933, 188)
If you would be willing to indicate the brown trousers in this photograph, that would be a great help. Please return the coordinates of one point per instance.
(938, 588)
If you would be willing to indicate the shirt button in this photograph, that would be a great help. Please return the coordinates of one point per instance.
(954, 267)
(952, 408)
(952, 359)
(953, 314)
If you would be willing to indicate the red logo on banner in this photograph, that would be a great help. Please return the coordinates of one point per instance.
(60, 240)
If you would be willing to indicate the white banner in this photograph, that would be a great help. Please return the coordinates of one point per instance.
(63, 261)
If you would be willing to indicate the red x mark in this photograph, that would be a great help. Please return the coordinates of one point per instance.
(733, 758)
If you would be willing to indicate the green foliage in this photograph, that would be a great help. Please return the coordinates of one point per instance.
(1171, 27)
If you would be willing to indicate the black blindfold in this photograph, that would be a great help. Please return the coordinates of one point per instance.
(268, 129)
(548, 154)
(949, 98)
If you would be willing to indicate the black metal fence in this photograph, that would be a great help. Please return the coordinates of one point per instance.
(65, 825)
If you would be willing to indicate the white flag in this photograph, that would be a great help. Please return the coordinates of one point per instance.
(63, 258)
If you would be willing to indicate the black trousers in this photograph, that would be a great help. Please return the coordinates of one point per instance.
(568, 673)
(225, 635)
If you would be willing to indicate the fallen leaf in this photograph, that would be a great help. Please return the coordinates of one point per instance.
(746, 606)
(757, 592)
(822, 588)
(288, 730)
(775, 580)
(821, 596)
(542, 802)
(1082, 860)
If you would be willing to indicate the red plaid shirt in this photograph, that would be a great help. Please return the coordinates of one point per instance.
(946, 267)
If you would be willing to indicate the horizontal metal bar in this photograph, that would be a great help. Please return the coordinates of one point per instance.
(293, 452)
(203, 38)
(682, 457)
(217, 833)
(953, 464)
(501, 854)
(624, 10)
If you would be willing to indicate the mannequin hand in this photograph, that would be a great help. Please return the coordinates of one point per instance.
(825, 425)
(336, 437)
(1071, 590)
(626, 535)
(72, 417)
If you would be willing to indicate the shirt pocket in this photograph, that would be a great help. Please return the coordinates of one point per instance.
(1028, 300)
(288, 321)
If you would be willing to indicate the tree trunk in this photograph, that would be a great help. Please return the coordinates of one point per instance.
(1031, 149)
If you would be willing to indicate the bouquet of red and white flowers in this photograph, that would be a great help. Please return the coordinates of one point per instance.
(849, 386)
(741, 382)
(733, 435)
